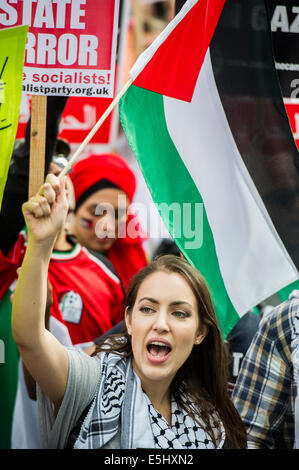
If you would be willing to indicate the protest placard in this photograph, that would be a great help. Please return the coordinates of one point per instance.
(12, 46)
(292, 109)
(70, 51)
(71, 45)
(284, 16)
(81, 114)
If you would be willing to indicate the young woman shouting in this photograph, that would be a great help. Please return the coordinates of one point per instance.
(161, 383)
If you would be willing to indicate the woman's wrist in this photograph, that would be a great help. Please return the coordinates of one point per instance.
(42, 249)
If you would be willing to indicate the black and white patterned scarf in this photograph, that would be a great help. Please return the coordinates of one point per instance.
(121, 407)
(184, 432)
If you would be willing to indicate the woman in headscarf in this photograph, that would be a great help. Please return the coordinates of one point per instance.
(104, 188)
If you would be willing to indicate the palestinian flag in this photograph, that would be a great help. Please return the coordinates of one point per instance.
(206, 122)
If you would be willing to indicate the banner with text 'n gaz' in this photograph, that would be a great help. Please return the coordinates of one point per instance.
(12, 49)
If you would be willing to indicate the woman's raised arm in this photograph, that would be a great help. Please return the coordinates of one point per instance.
(43, 355)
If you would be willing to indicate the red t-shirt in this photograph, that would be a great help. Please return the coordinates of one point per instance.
(11, 262)
(87, 296)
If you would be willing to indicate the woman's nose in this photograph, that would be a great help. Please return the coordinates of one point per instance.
(108, 222)
(161, 322)
(106, 225)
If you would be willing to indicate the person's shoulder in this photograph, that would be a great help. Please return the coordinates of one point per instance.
(102, 263)
(79, 358)
(278, 323)
(286, 310)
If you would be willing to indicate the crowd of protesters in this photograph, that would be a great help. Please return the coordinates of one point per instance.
(107, 348)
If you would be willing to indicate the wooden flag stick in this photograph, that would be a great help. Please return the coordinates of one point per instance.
(95, 129)
(37, 143)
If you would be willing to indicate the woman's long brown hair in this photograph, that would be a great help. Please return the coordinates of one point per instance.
(203, 379)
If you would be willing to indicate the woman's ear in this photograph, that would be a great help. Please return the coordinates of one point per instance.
(202, 334)
(128, 320)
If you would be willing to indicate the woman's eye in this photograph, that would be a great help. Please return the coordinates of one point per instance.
(146, 309)
(181, 314)
(86, 223)
(98, 214)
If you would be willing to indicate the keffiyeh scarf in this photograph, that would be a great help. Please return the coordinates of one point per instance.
(121, 407)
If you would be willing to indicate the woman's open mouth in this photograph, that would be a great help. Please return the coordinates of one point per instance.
(158, 351)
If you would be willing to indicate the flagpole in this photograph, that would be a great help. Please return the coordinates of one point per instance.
(37, 143)
(95, 129)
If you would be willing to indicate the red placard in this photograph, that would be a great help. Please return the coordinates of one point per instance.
(292, 109)
(71, 45)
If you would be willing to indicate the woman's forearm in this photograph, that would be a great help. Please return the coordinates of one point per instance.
(44, 357)
(29, 306)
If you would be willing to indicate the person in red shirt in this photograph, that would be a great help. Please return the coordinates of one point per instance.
(104, 187)
(87, 296)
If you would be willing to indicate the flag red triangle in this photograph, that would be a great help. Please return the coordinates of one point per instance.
(175, 66)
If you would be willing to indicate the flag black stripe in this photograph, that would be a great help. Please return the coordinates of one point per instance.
(248, 85)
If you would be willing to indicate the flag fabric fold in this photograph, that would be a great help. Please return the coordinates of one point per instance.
(177, 126)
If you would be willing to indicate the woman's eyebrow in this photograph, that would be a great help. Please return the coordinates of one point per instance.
(181, 302)
(177, 302)
(93, 206)
(154, 301)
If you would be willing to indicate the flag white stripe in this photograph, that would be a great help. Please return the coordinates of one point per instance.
(252, 259)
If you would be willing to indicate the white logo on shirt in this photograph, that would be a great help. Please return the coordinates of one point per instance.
(71, 306)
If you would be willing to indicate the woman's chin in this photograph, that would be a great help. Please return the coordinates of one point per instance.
(102, 244)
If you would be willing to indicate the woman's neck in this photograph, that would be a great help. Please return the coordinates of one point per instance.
(158, 392)
(160, 397)
(162, 405)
